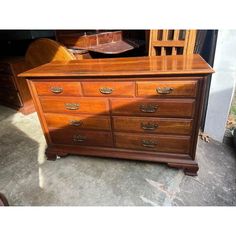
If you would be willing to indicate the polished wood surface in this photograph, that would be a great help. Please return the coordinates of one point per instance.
(150, 142)
(102, 109)
(152, 125)
(167, 88)
(163, 65)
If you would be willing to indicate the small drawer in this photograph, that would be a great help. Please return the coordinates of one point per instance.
(59, 121)
(75, 105)
(154, 107)
(152, 125)
(84, 138)
(153, 143)
(167, 88)
(110, 89)
(58, 88)
(5, 68)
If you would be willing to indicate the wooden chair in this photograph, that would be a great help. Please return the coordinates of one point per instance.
(45, 50)
(171, 42)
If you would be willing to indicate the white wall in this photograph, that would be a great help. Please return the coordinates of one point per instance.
(222, 84)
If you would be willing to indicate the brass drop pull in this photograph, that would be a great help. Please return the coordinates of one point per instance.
(148, 108)
(79, 138)
(76, 123)
(106, 90)
(165, 90)
(72, 106)
(56, 90)
(149, 126)
(149, 143)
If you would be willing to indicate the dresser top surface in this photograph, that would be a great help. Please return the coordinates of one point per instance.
(160, 65)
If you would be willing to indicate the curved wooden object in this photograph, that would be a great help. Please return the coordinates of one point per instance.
(45, 50)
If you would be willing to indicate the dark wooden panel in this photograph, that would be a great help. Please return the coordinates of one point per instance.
(105, 88)
(151, 142)
(153, 107)
(167, 88)
(77, 121)
(153, 125)
(54, 88)
(87, 138)
(74, 105)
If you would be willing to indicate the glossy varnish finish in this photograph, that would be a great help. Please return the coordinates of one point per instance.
(131, 108)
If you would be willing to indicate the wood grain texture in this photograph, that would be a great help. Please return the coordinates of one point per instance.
(152, 125)
(163, 65)
(153, 107)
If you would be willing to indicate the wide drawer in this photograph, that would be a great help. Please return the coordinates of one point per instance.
(121, 89)
(167, 88)
(58, 88)
(154, 107)
(152, 125)
(86, 138)
(77, 122)
(75, 105)
(152, 142)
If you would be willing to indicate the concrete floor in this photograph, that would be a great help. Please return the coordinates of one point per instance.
(27, 179)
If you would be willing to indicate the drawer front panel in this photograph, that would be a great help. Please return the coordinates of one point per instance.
(154, 107)
(104, 89)
(74, 105)
(167, 88)
(77, 122)
(153, 125)
(84, 138)
(155, 143)
(58, 88)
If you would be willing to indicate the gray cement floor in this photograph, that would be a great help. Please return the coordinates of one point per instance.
(27, 179)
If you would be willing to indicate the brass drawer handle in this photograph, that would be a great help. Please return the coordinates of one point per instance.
(56, 90)
(76, 123)
(149, 108)
(79, 138)
(165, 90)
(149, 143)
(149, 126)
(72, 106)
(106, 90)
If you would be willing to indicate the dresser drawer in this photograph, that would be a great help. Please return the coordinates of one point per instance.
(153, 107)
(86, 138)
(121, 89)
(167, 88)
(155, 143)
(152, 125)
(77, 122)
(58, 88)
(74, 105)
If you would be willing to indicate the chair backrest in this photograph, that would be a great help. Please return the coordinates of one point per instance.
(45, 50)
(171, 42)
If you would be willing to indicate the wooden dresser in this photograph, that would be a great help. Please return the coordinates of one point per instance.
(142, 108)
(14, 92)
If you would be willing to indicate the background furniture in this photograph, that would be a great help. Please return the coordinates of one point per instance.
(171, 42)
(143, 108)
(14, 92)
